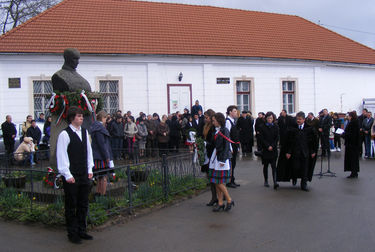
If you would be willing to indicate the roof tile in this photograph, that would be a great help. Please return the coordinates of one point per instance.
(135, 27)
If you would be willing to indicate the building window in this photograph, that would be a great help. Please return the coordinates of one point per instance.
(110, 95)
(243, 95)
(289, 96)
(42, 90)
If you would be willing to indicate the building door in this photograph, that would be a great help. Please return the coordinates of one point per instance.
(179, 97)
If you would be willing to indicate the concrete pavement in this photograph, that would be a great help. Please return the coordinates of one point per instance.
(338, 214)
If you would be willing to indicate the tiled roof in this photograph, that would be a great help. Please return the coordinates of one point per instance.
(136, 27)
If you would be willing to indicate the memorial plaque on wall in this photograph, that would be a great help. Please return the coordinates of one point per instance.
(14, 82)
(222, 80)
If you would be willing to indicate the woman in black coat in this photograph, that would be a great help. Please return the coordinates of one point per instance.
(351, 135)
(101, 150)
(269, 136)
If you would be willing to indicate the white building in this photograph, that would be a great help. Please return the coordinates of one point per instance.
(134, 52)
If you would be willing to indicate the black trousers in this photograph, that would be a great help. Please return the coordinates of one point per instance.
(233, 163)
(76, 204)
(338, 141)
(272, 162)
(300, 167)
(326, 149)
(163, 148)
(9, 148)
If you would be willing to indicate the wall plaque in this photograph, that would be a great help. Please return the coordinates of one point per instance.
(222, 80)
(14, 82)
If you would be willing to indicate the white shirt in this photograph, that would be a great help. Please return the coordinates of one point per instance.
(301, 126)
(228, 125)
(62, 152)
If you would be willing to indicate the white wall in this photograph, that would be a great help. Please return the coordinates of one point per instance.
(145, 80)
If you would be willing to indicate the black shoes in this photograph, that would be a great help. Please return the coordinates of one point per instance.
(231, 185)
(74, 239)
(294, 182)
(212, 202)
(237, 185)
(86, 236)
(304, 187)
(218, 208)
(229, 206)
(275, 186)
(353, 176)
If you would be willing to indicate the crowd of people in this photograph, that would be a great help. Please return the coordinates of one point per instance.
(289, 144)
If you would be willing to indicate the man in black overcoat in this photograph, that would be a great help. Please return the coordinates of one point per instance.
(9, 135)
(245, 127)
(325, 124)
(258, 124)
(302, 146)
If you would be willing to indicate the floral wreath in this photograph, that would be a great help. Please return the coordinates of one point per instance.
(60, 102)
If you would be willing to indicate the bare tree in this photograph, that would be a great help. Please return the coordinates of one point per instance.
(15, 12)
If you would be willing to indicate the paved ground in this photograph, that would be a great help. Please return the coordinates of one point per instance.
(337, 214)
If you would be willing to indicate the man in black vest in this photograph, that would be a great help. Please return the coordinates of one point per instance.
(75, 162)
(230, 124)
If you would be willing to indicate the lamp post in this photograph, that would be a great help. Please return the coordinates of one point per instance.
(180, 75)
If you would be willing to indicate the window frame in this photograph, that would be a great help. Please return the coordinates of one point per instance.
(250, 92)
(109, 77)
(287, 92)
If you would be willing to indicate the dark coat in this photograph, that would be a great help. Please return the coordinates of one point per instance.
(9, 129)
(269, 135)
(210, 143)
(175, 128)
(195, 109)
(222, 145)
(101, 146)
(258, 124)
(352, 144)
(246, 130)
(325, 123)
(151, 126)
(35, 133)
(198, 126)
(163, 128)
(284, 122)
(313, 123)
(300, 143)
(366, 125)
(117, 129)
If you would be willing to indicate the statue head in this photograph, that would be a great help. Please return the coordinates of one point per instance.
(71, 57)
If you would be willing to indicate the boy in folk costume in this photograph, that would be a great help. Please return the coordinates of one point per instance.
(75, 162)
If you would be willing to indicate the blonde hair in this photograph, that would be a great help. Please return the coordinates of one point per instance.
(100, 115)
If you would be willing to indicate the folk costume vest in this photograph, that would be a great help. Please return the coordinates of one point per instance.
(77, 152)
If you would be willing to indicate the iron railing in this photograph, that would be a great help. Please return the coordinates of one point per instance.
(129, 186)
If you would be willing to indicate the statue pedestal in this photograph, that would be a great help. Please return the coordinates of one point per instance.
(55, 132)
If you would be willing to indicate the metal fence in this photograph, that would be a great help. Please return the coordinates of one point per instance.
(25, 188)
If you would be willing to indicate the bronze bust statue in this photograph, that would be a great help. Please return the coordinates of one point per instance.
(67, 79)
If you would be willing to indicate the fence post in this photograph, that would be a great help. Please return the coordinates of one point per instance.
(165, 176)
(32, 189)
(128, 172)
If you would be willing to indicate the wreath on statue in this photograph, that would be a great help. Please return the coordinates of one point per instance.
(60, 102)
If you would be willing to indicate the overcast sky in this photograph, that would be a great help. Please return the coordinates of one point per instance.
(356, 15)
